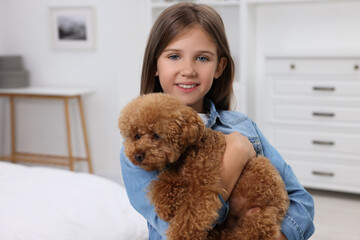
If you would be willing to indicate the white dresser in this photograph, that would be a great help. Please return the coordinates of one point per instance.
(309, 109)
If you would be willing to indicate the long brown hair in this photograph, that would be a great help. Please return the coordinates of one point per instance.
(173, 21)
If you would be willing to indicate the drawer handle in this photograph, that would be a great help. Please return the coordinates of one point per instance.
(356, 67)
(323, 114)
(328, 143)
(292, 66)
(327, 89)
(325, 174)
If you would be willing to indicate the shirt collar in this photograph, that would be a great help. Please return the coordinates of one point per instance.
(213, 114)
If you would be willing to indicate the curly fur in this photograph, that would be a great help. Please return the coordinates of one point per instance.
(163, 134)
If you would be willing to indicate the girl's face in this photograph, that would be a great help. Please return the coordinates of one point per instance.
(188, 65)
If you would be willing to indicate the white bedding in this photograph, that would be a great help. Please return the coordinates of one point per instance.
(40, 203)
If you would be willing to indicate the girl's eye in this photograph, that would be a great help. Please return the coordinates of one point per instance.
(202, 59)
(156, 136)
(137, 136)
(174, 57)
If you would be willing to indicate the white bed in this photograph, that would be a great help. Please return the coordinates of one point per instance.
(41, 203)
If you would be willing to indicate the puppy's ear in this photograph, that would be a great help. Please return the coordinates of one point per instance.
(192, 127)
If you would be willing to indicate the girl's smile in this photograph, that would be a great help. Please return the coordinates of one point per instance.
(187, 87)
(188, 66)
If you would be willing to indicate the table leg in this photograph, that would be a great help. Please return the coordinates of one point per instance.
(85, 134)
(13, 132)
(68, 132)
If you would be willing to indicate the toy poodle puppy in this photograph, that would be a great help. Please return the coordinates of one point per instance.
(161, 133)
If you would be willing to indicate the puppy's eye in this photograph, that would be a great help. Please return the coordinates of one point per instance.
(137, 136)
(156, 136)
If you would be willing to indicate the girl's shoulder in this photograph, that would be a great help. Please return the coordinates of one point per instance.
(237, 121)
(231, 121)
(233, 117)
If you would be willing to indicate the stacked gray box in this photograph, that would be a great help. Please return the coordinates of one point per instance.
(12, 72)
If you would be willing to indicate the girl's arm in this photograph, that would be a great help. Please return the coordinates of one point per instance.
(298, 222)
(238, 151)
(136, 181)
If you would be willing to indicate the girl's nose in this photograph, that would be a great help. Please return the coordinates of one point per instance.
(188, 69)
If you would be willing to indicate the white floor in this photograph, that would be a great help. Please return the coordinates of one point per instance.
(337, 216)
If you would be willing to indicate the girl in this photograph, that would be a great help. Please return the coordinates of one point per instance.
(187, 56)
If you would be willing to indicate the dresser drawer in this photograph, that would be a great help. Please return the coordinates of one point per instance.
(318, 114)
(317, 88)
(316, 174)
(313, 66)
(323, 158)
(317, 141)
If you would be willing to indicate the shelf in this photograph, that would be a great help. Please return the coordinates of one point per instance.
(164, 4)
(45, 91)
(41, 159)
(286, 1)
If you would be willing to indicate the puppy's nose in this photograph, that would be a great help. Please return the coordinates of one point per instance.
(139, 157)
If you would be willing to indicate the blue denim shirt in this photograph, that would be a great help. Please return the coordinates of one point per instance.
(298, 222)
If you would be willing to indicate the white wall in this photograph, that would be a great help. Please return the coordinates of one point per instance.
(329, 28)
(113, 70)
(1, 25)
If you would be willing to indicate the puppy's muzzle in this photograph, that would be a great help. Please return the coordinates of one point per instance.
(139, 157)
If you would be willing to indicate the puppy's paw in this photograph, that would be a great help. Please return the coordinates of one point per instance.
(167, 198)
(166, 213)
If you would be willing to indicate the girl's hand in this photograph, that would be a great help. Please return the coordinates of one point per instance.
(281, 236)
(238, 151)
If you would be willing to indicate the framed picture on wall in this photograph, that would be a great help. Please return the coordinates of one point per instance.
(73, 28)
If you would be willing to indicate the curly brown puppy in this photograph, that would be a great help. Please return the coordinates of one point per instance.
(163, 134)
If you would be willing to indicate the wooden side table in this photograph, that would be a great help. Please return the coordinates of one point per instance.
(48, 93)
